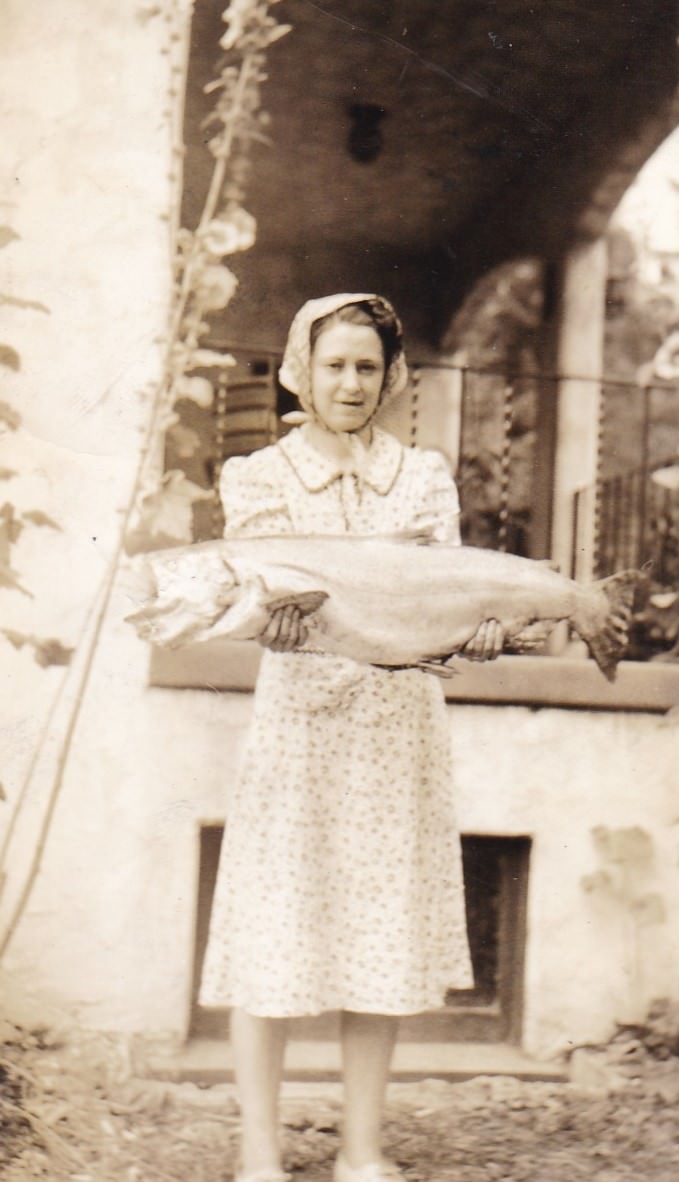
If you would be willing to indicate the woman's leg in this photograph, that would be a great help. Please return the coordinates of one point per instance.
(258, 1046)
(367, 1047)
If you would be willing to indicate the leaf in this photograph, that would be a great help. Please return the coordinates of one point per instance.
(631, 845)
(51, 652)
(7, 235)
(277, 33)
(184, 440)
(11, 527)
(649, 909)
(10, 357)
(598, 881)
(16, 639)
(37, 517)
(46, 652)
(147, 9)
(165, 515)
(17, 302)
(166, 419)
(9, 416)
(10, 579)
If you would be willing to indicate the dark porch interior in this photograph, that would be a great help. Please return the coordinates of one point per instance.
(415, 146)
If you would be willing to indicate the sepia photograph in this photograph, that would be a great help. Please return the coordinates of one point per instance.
(339, 591)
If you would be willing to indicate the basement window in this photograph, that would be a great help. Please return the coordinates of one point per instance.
(496, 881)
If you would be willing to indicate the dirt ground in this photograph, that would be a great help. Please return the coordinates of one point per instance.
(70, 1109)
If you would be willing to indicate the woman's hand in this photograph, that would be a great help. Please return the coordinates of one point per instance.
(285, 630)
(486, 643)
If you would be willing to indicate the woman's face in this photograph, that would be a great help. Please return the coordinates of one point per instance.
(347, 375)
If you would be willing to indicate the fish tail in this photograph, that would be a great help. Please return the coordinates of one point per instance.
(604, 618)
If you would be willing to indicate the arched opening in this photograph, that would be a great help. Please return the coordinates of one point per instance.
(496, 163)
(638, 483)
(479, 217)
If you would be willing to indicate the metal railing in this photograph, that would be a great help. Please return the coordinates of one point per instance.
(636, 521)
(502, 473)
(496, 436)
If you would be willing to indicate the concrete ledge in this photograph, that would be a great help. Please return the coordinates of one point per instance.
(208, 1061)
(527, 680)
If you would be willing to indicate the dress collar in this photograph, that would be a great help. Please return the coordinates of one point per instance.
(383, 462)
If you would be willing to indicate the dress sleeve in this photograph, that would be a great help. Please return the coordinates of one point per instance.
(252, 496)
(437, 507)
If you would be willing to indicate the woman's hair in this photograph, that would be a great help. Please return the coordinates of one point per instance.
(374, 313)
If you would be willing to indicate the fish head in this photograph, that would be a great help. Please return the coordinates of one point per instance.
(247, 611)
(179, 593)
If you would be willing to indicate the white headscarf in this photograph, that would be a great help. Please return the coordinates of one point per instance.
(295, 371)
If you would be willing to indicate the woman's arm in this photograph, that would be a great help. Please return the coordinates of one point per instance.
(435, 504)
(252, 496)
(285, 630)
(487, 642)
(254, 503)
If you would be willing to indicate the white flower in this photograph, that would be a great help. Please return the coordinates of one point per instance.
(243, 16)
(667, 477)
(234, 230)
(210, 359)
(197, 389)
(215, 287)
(666, 360)
(236, 17)
(185, 441)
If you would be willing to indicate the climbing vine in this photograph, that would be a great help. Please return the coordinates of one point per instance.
(159, 511)
(12, 522)
(203, 283)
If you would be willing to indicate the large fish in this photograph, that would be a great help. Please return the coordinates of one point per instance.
(393, 601)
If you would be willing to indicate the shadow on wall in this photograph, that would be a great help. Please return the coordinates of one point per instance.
(623, 896)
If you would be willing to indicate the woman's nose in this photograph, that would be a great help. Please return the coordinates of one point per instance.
(350, 379)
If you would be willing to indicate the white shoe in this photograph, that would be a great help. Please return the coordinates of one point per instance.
(374, 1171)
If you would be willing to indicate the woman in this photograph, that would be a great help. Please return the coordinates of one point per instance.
(340, 883)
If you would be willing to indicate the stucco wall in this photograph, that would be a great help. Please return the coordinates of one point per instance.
(109, 930)
(107, 934)
(557, 775)
(87, 150)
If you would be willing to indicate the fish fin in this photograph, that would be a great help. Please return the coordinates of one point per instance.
(438, 668)
(606, 634)
(306, 601)
(419, 535)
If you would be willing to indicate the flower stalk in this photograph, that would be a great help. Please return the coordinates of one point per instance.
(204, 284)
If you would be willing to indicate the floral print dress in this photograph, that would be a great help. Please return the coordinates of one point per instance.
(340, 884)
